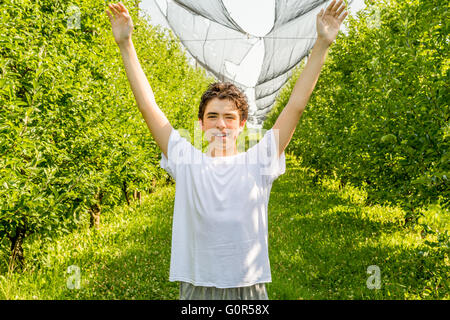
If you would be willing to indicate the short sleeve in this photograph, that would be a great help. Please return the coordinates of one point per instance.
(271, 165)
(178, 150)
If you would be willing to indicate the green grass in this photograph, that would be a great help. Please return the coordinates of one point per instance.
(322, 239)
(127, 258)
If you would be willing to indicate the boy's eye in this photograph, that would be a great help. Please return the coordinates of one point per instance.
(229, 117)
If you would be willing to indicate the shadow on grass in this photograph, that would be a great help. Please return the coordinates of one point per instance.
(130, 262)
(320, 246)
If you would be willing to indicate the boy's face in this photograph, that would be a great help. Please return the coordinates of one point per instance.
(221, 124)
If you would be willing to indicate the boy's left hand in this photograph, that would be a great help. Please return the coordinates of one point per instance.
(329, 21)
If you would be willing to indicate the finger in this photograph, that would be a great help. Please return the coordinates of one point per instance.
(109, 15)
(320, 14)
(113, 9)
(123, 8)
(117, 7)
(339, 11)
(336, 6)
(343, 16)
(330, 6)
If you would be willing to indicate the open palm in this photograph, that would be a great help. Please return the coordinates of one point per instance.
(121, 23)
(329, 21)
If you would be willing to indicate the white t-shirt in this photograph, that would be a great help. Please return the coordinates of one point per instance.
(220, 228)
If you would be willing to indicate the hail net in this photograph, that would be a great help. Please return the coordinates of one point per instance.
(220, 45)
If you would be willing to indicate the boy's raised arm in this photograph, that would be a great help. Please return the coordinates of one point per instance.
(122, 27)
(328, 23)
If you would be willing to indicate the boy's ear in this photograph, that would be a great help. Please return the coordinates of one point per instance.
(242, 126)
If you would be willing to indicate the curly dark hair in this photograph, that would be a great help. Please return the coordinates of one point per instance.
(224, 90)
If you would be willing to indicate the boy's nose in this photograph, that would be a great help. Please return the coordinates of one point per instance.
(220, 123)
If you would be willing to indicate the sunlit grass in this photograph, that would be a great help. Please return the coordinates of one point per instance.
(322, 239)
(127, 258)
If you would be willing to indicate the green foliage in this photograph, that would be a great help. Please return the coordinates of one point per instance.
(128, 257)
(70, 129)
(379, 114)
(322, 238)
(322, 243)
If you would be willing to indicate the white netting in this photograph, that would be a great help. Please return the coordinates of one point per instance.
(220, 45)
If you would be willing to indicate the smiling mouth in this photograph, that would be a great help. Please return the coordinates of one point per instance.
(223, 135)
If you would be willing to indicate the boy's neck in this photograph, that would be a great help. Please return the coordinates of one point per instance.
(221, 152)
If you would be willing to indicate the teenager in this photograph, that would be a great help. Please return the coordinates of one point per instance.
(219, 233)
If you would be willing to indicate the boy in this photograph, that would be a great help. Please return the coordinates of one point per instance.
(219, 234)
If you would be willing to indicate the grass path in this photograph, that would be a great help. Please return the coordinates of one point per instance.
(322, 240)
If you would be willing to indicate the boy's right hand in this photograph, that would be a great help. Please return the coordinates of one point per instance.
(121, 23)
